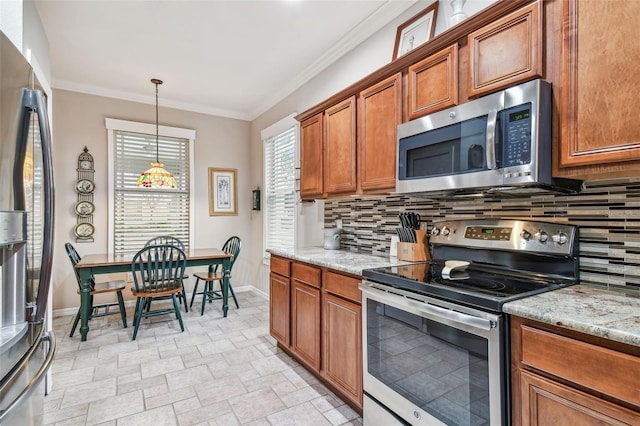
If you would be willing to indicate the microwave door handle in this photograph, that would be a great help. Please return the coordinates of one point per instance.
(491, 139)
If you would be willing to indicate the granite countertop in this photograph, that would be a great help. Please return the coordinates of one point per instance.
(339, 260)
(612, 314)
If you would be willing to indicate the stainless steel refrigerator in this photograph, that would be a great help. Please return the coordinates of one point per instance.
(26, 240)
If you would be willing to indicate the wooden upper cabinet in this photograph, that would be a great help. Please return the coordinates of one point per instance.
(507, 51)
(433, 83)
(340, 147)
(599, 102)
(311, 176)
(379, 113)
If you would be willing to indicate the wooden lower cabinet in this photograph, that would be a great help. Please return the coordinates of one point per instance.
(316, 317)
(279, 311)
(545, 402)
(305, 323)
(561, 377)
(342, 342)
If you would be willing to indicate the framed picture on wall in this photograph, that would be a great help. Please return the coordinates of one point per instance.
(223, 192)
(416, 31)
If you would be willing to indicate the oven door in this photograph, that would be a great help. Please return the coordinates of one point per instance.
(431, 362)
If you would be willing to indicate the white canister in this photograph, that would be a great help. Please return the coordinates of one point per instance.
(332, 238)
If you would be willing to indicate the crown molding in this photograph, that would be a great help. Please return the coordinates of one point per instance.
(386, 13)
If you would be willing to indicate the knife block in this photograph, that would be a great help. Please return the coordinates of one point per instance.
(415, 252)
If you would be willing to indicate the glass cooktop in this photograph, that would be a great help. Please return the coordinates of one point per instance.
(476, 286)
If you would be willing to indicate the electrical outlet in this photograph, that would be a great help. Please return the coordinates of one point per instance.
(129, 277)
(339, 223)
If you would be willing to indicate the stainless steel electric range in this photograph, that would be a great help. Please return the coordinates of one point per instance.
(436, 346)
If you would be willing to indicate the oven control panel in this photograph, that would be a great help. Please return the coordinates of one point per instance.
(514, 235)
(493, 233)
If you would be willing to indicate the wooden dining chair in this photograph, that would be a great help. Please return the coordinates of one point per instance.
(170, 239)
(231, 246)
(157, 274)
(97, 288)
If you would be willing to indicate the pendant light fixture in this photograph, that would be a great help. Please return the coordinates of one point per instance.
(156, 176)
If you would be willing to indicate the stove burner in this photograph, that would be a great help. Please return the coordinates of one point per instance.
(467, 282)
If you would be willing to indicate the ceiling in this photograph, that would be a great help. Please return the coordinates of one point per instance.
(233, 58)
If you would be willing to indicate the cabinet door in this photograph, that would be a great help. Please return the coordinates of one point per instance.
(506, 52)
(340, 147)
(305, 323)
(279, 312)
(545, 402)
(600, 103)
(433, 83)
(342, 343)
(379, 113)
(311, 157)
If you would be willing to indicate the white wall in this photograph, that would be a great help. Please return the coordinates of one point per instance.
(220, 142)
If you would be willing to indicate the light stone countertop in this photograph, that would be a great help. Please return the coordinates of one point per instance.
(339, 260)
(612, 314)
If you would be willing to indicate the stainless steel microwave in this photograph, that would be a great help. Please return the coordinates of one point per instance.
(500, 142)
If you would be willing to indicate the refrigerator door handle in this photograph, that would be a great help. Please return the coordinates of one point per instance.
(37, 378)
(34, 101)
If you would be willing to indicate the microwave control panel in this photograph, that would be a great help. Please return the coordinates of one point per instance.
(517, 134)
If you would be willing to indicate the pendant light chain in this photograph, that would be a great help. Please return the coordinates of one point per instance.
(156, 176)
(157, 82)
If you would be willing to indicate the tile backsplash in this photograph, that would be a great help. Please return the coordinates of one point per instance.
(607, 213)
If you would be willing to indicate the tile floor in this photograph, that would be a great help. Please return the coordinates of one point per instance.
(219, 371)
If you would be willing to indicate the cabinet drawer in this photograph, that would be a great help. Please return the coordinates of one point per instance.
(280, 266)
(594, 367)
(342, 285)
(306, 274)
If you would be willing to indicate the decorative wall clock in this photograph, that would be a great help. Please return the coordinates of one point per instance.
(85, 208)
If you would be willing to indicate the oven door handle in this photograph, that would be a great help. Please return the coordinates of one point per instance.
(427, 309)
(459, 317)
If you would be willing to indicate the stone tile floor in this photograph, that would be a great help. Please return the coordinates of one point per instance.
(219, 371)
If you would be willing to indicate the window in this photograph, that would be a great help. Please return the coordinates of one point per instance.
(280, 142)
(139, 214)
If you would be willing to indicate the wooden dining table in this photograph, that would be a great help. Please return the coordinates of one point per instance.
(109, 263)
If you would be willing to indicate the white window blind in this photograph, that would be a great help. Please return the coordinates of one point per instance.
(280, 162)
(140, 214)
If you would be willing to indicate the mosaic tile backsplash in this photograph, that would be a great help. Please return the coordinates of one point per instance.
(607, 213)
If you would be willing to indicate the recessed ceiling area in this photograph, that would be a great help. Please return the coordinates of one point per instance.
(229, 58)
